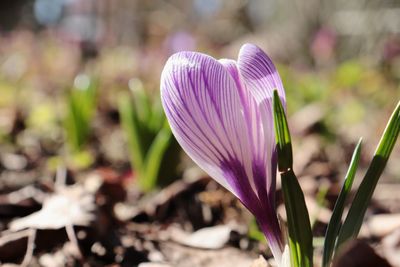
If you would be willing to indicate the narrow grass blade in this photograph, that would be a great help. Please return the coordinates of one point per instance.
(154, 158)
(354, 219)
(141, 101)
(75, 123)
(70, 124)
(284, 142)
(81, 105)
(300, 235)
(335, 222)
(157, 117)
(130, 127)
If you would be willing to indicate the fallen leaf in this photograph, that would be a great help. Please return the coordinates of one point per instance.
(383, 224)
(206, 238)
(184, 256)
(391, 247)
(260, 262)
(68, 206)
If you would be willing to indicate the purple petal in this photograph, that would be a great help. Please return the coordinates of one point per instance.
(259, 119)
(259, 73)
(262, 151)
(261, 78)
(203, 107)
(215, 117)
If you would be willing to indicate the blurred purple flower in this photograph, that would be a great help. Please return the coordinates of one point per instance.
(220, 111)
(391, 49)
(323, 45)
(180, 41)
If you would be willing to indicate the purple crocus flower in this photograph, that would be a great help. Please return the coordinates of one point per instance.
(221, 113)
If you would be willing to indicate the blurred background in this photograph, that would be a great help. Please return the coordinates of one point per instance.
(341, 57)
(79, 83)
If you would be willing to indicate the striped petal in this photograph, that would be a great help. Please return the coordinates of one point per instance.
(259, 73)
(203, 107)
(215, 116)
(261, 78)
(262, 150)
(262, 139)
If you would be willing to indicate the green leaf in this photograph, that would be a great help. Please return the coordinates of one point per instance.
(335, 221)
(300, 235)
(129, 125)
(255, 233)
(77, 122)
(284, 143)
(157, 118)
(81, 106)
(154, 158)
(354, 219)
(141, 101)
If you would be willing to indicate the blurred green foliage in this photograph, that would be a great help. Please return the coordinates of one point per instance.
(47, 118)
(351, 94)
(254, 231)
(81, 107)
(42, 117)
(154, 153)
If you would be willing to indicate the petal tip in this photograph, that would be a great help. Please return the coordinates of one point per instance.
(250, 48)
(181, 59)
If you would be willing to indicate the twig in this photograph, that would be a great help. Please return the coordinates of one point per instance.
(30, 247)
(61, 176)
(72, 237)
(12, 236)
